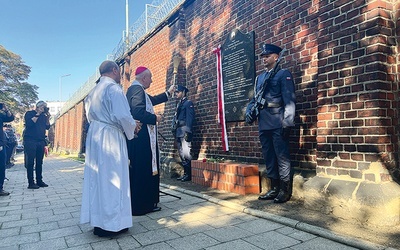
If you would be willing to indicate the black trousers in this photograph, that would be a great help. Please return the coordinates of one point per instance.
(34, 153)
(9, 151)
(275, 149)
(2, 167)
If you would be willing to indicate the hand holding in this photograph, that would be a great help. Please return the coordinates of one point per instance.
(171, 89)
(160, 117)
(249, 118)
(188, 136)
(138, 127)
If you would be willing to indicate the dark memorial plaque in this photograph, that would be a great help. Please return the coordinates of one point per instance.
(238, 72)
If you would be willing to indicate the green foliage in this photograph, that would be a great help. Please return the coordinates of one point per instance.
(15, 92)
(216, 160)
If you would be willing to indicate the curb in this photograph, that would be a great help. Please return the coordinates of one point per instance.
(360, 244)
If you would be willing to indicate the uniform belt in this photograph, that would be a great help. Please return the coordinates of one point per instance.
(273, 105)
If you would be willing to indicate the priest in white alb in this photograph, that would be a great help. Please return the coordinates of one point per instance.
(106, 201)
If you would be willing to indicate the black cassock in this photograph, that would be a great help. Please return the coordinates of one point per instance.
(145, 187)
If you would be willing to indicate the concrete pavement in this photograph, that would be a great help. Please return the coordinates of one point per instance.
(48, 218)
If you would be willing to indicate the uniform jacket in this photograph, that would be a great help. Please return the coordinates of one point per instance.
(185, 116)
(280, 96)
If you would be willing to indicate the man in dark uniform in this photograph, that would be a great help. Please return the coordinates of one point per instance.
(143, 150)
(274, 124)
(183, 130)
(5, 116)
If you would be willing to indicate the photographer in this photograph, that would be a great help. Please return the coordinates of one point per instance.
(36, 124)
(5, 116)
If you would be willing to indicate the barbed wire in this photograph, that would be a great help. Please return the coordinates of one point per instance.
(154, 14)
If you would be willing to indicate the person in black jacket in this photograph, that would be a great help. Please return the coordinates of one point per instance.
(36, 124)
(182, 129)
(5, 116)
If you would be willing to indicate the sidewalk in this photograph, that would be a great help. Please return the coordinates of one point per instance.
(48, 218)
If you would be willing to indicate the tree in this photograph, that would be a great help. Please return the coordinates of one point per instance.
(15, 92)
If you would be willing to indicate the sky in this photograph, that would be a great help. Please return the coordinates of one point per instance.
(61, 37)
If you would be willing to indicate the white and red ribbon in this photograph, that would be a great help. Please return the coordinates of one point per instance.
(220, 91)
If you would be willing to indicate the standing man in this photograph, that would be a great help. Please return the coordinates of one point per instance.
(106, 195)
(182, 129)
(5, 116)
(36, 124)
(143, 150)
(274, 123)
(11, 144)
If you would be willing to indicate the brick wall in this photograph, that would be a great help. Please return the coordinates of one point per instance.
(357, 88)
(69, 130)
(344, 59)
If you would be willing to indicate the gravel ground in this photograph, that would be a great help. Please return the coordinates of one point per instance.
(294, 209)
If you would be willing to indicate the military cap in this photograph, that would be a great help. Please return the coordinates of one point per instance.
(270, 49)
(181, 88)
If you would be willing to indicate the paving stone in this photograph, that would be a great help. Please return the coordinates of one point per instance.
(55, 218)
(52, 244)
(272, 240)
(296, 234)
(4, 233)
(36, 214)
(155, 236)
(228, 233)
(10, 208)
(259, 226)
(193, 242)
(222, 221)
(128, 242)
(61, 232)
(105, 245)
(185, 229)
(82, 239)
(19, 223)
(19, 239)
(321, 243)
(39, 227)
(10, 217)
(68, 222)
(158, 246)
(234, 245)
(159, 223)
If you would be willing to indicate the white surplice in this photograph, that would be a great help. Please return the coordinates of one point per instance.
(106, 201)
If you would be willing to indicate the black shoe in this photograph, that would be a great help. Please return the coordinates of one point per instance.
(180, 178)
(186, 178)
(4, 193)
(105, 233)
(284, 194)
(273, 192)
(156, 209)
(33, 186)
(270, 195)
(42, 184)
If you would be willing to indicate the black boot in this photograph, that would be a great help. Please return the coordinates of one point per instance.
(186, 178)
(188, 171)
(273, 192)
(32, 185)
(180, 178)
(284, 194)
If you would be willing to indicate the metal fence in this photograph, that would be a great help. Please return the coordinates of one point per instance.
(154, 14)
